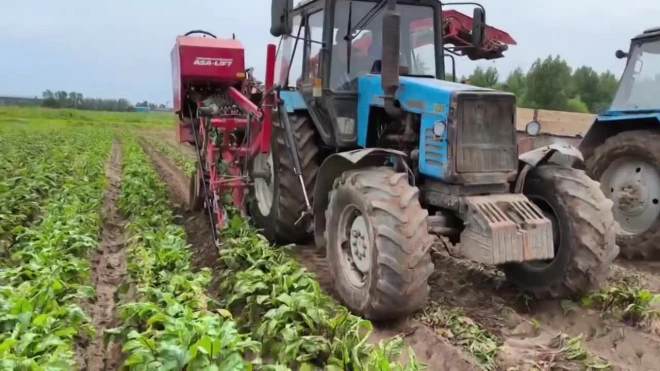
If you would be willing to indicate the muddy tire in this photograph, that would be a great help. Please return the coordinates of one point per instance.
(584, 232)
(632, 154)
(277, 219)
(376, 212)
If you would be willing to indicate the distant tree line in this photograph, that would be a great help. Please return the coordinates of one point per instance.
(75, 100)
(548, 84)
(551, 84)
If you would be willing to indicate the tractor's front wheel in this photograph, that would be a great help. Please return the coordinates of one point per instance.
(626, 166)
(584, 234)
(277, 199)
(378, 243)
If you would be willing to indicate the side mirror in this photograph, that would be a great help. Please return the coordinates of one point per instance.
(281, 22)
(621, 54)
(478, 27)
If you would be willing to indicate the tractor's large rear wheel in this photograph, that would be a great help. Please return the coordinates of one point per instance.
(627, 167)
(583, 230)
(378, 244)
(277, 198)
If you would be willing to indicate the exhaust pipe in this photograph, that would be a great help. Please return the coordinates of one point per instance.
(390, 59)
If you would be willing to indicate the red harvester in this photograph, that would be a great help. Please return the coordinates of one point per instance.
(224, 112)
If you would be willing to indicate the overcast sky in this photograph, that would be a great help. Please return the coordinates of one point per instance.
(120, 48)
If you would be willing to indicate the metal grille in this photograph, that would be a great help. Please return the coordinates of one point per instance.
(486, 140)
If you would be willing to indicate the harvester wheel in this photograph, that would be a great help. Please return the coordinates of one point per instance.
(584, 234)
(378, 243)
(627, 167)
(277, 199)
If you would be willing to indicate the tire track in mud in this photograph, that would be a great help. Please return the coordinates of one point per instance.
(429, 348)
(108, 272)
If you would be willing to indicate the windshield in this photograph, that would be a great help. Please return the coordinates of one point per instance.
(640, 83)
(417, 48)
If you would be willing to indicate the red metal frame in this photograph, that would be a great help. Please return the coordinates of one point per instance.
(234, 155)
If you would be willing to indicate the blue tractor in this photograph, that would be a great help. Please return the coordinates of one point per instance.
(375, 155)
(622, 149)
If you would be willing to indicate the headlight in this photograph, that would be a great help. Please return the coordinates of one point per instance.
(439, 129)
(533, 128)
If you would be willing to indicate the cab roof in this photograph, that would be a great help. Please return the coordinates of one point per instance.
(651, 32)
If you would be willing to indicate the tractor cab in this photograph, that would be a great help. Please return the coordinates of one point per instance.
(330, 44)
(639, 89)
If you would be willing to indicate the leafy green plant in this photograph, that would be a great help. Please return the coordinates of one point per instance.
(626, 299)
(45, 275)
(282, 305)
(172, 324)
(30, 170)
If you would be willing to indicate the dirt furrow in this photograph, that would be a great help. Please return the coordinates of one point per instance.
(430, 348)
(109, 269)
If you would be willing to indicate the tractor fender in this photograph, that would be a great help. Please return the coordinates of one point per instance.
(561, 154)
(332, 168)
(541, 155)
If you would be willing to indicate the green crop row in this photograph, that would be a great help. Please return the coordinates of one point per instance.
(282, 305)
(171, 324)
(283, 321)
(45, 275)
(69, 117)
(176, 155)
(31, 168)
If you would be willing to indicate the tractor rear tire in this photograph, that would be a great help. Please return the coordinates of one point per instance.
(278, 220)
(584, 233)
(640, 150)
(378, 213)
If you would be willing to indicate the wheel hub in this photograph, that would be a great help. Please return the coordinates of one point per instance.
(359, 245)
(634, 187)
(631, 199)
(264, 185)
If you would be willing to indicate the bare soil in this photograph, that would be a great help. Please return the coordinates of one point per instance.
(108, 272)
(525, 326)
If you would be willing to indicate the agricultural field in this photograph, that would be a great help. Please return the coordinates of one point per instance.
(103, 267)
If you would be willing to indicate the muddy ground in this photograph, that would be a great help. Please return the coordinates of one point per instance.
(475, 299)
